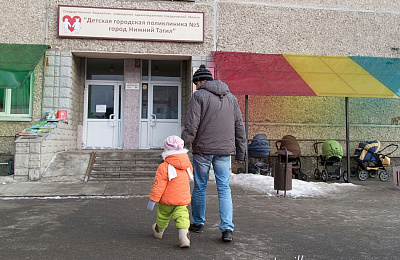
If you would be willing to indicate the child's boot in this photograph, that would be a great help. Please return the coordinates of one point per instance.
(184, 238)
(158, 232)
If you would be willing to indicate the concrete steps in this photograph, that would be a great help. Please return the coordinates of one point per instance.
(132, 164)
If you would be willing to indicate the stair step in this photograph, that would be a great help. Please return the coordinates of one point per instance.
(130, 165)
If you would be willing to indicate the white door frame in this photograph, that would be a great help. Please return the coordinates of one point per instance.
(116, 130)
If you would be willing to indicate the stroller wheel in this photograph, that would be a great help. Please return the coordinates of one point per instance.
(240, 170)
(383, 176)
(345, 176)
(317, 174)
(324, 175)
(303, 176)
(362, 175)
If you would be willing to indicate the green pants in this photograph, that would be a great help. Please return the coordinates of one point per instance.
(180, 215)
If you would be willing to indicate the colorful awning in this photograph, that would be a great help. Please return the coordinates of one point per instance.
(17, 62)
(308, 75)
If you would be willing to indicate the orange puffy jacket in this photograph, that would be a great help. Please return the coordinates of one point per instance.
(175, 192)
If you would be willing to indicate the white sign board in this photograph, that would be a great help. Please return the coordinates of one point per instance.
(101, 108)
(129, 24)
(132, 86)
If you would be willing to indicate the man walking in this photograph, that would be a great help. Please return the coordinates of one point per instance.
(215, 130)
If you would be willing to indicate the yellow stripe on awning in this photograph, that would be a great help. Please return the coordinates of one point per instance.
(337, 76)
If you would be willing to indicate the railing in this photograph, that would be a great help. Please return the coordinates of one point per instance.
(345, 150)
(90, 166)
(388, 142)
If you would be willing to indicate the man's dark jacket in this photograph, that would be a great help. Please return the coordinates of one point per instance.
(214, 123)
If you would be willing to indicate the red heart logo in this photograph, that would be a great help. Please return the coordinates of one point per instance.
(70, 21)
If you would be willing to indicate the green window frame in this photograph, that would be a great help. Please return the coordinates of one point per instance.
(16, 103)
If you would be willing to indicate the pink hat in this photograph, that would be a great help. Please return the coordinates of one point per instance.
(173, 142)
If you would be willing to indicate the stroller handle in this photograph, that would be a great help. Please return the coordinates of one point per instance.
(276, 144)
(394, 150)
(316, 146)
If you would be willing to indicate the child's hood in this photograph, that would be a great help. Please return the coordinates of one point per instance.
(178, 159)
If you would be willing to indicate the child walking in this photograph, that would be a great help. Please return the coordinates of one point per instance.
(171, 189)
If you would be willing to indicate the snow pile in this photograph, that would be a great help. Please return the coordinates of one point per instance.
(265, 184)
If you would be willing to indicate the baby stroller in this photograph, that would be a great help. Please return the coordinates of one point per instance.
(330, 160)
(372, 162)
(292, 146)
(259, 150)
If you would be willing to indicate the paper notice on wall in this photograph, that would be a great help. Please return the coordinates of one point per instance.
(101, 108)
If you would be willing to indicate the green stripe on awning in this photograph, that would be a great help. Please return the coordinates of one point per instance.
(17, 62)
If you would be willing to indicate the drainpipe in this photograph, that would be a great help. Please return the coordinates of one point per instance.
(215, 24)
(46, 26)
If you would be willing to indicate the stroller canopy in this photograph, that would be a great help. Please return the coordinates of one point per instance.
(259, 146)
(366, 150)
(332, 148)
(291, 144)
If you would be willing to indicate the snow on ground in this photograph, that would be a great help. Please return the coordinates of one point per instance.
(300, 188)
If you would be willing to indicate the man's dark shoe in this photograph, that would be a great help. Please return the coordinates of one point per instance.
(196, 228)
(227, 235)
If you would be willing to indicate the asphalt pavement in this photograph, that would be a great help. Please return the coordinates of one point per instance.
(109, 220)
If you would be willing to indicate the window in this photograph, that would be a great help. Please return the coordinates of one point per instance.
(161, 70)
(16, 103)
(105, 69)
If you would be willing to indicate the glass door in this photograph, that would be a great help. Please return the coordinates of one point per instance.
(160, 102)
(103, 116)
(164, 113)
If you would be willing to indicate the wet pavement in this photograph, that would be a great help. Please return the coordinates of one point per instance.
(109, 220)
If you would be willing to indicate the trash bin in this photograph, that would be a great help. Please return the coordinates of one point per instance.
(283, 172)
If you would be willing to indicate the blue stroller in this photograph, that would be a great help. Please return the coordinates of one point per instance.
(371, 162)
(259, 150)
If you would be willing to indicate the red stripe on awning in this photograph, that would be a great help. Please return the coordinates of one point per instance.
(259, 74)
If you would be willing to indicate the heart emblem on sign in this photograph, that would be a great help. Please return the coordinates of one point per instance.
(70, 20)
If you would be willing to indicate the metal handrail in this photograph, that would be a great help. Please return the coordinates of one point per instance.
(90, 166)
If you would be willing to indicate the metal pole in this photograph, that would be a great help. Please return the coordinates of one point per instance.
(247, 131)
(346, 99)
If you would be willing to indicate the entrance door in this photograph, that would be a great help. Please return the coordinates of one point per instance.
(163, 116)
(103, 124)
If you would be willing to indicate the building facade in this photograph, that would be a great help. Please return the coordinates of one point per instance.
(122, 69)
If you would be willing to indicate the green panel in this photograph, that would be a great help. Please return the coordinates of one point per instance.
(17, 61)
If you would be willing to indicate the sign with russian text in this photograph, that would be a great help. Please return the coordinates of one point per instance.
(129, 24)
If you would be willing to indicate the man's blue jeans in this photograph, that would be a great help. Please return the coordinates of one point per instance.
(201, 167)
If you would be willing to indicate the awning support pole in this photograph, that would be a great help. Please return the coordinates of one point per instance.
(247, 132)
(347, 138)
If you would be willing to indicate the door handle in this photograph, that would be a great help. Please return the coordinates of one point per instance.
(112, 120)
(153, 120)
